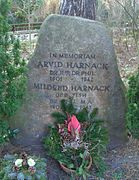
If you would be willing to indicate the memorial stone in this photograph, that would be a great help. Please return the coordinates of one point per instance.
(74, 57)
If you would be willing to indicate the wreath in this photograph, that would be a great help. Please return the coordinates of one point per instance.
(76, 139)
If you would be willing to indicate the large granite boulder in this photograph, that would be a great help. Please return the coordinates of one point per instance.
(74, 57)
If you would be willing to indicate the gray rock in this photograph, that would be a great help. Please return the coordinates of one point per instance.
(20, 176)
(73, 57)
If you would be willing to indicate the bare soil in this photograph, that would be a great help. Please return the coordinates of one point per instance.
(123, 163)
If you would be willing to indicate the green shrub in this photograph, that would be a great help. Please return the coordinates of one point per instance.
(133, 106)
(5, 132)
(12, 68)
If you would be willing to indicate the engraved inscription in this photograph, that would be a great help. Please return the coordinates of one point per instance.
(71, 75)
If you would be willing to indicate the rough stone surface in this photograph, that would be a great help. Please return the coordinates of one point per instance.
(73, 57)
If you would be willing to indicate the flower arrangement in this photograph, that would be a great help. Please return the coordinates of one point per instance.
(22, 167)
(76, 139)
(25, 163)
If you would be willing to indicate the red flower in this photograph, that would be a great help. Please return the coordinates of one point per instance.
(74, 126)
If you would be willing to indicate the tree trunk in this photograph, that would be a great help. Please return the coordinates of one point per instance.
(82, 8)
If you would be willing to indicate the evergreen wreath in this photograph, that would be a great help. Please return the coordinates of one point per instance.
(89, 141)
